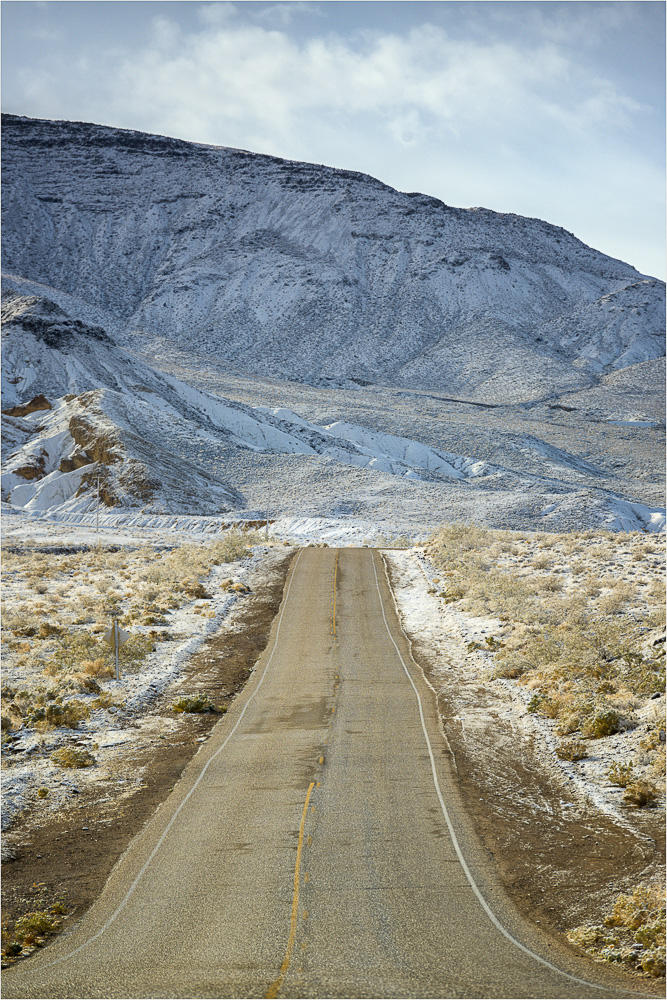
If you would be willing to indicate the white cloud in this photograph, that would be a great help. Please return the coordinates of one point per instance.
(215, 14)
(282, 14)
(239, 72)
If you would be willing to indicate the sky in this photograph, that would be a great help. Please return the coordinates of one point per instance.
(548, 109)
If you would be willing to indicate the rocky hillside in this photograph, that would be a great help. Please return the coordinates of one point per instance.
(154, 441)
(301, 271)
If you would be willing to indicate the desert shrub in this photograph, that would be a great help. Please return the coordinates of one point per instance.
(193, 588)
(105, 700)
(645, 676)
(34, 926)
(653, 962)
(46, 630)
(97, 668)
(71, 651)
(87, 683)
(79, 652)
(73, 757)
(633, 933)
(134, 651)
(621, 774)
(196, 703)
(588, 936)
(644, 905)
(510, 669)
(658, 767)
(611, 603)
(568, 723)
(492, 643)
(536, 702)
(651, 741)
(454, 592)
(67, 715)
(639, 794)
(22, 626)
(601, 723)
(232, 546)
(572, 750)
(591, 586)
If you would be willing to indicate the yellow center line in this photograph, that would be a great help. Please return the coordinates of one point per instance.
(275, 986)
(334, 593)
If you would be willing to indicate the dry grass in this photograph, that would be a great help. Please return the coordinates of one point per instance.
(578, 619)
(72, 757)
(633, 932)
(58, 607)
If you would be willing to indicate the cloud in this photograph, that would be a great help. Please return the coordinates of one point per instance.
(44, 33)
(280, 15)
(235, 72)
(216, 14)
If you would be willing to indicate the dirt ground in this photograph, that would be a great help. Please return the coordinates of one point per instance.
(69, 860)
(559, 869)
(560, 861)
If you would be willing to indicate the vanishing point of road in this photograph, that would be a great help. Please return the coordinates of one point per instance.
(317, 845)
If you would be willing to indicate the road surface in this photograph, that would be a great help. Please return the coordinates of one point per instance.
(316, 846)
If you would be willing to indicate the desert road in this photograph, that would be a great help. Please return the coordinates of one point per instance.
(317, 845)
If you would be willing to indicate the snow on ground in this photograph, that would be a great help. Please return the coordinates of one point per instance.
(42, 593)
(443, 629)
(371, 462)
(444, 633)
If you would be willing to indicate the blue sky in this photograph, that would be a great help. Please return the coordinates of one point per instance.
(548, 109)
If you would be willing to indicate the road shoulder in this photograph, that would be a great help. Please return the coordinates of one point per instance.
(560, 858)
(66, 861)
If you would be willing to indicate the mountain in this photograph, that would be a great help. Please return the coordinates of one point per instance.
(156, 442)
(215, 333)
(238, 261)
(78, 408)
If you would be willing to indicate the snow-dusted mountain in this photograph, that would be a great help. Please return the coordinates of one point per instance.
(155, 441)
(76, 407)
(369, 357)
(300, 271)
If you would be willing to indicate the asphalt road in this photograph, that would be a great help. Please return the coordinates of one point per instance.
(316, 846)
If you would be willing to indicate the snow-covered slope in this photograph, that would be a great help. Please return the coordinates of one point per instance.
(160, 447)
(153, 439)
(302, 271)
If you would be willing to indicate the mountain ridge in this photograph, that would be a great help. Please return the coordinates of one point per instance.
(304, 271)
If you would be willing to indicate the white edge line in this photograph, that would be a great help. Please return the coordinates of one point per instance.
(473, 885)
(171, 822)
